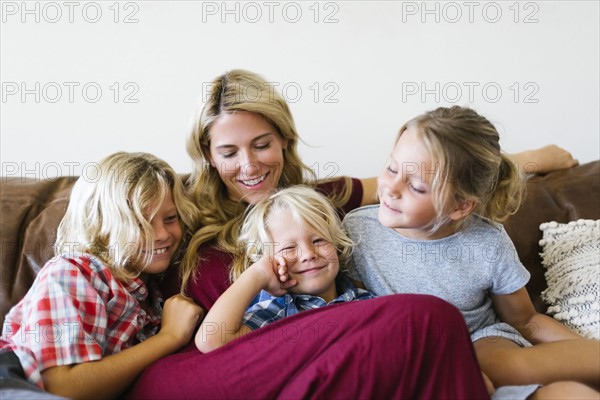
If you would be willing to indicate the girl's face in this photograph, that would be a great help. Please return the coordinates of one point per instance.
(247, 151)
(404, 189)
(167, 236)
(310, 259)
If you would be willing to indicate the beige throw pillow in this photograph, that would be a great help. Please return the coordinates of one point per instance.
(571, 255)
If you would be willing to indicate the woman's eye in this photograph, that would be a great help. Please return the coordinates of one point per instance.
(391, 171)
(263, 146)
(227, 155)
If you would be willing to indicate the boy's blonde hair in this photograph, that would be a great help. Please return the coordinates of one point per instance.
(469, 163)
(109, 214)
(307, 208)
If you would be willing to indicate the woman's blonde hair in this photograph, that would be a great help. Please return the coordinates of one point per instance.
(221, 217)
(469, 163)
(307, 208)
(109, 214)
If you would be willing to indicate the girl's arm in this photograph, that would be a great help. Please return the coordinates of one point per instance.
(223, 322)
(110, 376)
(517, 310)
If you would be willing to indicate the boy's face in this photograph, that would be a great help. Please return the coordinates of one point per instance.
(404, 188)
(167, 236)
(310, 259)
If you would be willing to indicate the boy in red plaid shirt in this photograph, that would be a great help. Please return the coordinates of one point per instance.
(91, 321)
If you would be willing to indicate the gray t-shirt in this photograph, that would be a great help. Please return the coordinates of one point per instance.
(462, 268)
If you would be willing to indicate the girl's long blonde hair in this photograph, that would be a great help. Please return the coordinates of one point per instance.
(109, 214)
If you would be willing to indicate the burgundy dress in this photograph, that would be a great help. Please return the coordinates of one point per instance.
(399, 346)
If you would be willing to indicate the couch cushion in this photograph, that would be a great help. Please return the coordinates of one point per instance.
(560, 196)
(30, 211)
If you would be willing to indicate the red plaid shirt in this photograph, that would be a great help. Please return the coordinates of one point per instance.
(77, 311)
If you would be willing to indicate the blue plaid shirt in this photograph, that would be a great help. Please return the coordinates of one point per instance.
(266, 308)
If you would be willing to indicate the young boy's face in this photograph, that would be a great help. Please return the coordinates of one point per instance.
(167, 236)
(404, 188)
(310, 259)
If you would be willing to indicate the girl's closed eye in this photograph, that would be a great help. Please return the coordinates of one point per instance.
(391, 170)
(417, 189)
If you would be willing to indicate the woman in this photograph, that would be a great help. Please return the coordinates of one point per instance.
(244, 145)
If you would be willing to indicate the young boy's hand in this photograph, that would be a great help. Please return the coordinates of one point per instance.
(284, 277)
(180, 318)
(274, 271)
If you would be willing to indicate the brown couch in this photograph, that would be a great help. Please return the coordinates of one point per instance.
(31, 210)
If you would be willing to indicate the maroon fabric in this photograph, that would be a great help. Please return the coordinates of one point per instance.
(329, 188)
(399, 346)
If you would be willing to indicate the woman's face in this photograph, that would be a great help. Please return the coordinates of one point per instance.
(247, 151)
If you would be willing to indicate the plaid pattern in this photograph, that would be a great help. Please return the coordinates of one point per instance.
(266, 308)
(77, 311)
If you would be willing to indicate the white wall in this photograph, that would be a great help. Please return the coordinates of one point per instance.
(362, 69)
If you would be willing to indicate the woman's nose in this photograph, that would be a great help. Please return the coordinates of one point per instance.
(250, 166)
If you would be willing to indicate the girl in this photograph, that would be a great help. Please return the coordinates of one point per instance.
(435, 231)
(77, 330)
(296, 233)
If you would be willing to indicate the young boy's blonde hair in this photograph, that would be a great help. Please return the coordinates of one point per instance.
(469, 163)
(307, 207)
(109, 214)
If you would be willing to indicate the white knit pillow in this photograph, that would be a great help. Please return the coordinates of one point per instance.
(571, 255)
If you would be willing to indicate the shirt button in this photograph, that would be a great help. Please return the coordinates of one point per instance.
(143, 290)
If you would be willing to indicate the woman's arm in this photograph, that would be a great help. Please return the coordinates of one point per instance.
(544, 159)
(223, 322)
(110, 376)
(369, 196)
(517, 310)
